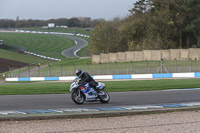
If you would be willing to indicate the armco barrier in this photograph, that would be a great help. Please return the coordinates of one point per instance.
(113, 77)
(55, 33)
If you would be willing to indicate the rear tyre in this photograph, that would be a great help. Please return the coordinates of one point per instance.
(104, 98)
(77, 99)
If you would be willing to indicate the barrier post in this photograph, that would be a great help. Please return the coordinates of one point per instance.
(101, 68)
(147, 67)
(175, 65)
(19, 72)
(116, 68)
(132, 67)
(88, 68)
(61, 70)
(29, 71)
(38, 69)
(190, 69)
(9, 76)
(74, 67)
(161, 67)
(50, 69)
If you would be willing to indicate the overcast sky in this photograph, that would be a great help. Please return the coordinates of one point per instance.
(47, 9)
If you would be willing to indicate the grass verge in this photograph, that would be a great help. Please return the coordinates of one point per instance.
(112, 86)
(48, 45)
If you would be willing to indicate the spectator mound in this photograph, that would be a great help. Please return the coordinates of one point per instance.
(6, 64)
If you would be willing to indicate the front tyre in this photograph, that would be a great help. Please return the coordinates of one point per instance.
(104, 98)
(77, 99)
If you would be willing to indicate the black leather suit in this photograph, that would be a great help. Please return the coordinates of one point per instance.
(86, 78)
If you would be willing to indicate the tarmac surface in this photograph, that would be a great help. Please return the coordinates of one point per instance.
(60, 101)
(71, 52)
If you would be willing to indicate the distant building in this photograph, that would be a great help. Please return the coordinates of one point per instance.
(51, 25)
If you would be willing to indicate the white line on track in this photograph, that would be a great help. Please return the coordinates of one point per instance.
(76, 52)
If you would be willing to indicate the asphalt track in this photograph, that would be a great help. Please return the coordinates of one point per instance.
(71, 52)
(61, 101)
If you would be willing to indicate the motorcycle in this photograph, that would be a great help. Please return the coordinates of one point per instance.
(83, 92)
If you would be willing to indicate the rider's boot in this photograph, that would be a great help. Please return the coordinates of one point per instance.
(99, 93)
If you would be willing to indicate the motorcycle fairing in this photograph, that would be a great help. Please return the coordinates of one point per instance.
(90, 93)
(100, 85)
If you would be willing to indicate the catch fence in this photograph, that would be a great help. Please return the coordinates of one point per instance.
(116, 68)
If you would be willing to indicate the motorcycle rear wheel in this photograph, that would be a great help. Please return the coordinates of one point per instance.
(77, 99)
(104, 98)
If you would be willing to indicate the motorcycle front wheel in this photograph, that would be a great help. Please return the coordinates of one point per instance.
(77, 99)
(104, 98)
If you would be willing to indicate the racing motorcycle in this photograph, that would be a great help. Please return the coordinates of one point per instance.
(83, 92)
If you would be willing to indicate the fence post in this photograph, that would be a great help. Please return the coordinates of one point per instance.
(131, 67)
(38, 69)
(88, 68)
(116, 68)
(29, 71)
(74, 67)
(19, 72)
(147, 67)
(175, 65)
(50, 69)
(9, 76)
(61, 70)
(161, 65)
(101, 68)
(190, 65)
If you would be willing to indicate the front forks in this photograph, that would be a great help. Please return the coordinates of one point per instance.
(78, 93)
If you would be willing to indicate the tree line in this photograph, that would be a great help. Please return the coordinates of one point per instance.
(82, 22)
(152, 24)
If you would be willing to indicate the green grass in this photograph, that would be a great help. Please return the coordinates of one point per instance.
(111, 86)
(48, 45)
(21, 57)
(149, 85)
(83, 52)
(33, 88)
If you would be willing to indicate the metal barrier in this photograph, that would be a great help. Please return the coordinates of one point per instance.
(141, 67)
(113, 77)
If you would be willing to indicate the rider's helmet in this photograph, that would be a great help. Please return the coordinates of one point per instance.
(79, 72)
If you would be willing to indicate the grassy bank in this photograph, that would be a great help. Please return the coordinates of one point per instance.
(21, 57)
(111, 86)
(83, 52)
(48, 45)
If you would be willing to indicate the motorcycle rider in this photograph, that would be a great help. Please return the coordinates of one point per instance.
(86, 78)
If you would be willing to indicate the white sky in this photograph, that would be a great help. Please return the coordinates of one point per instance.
(47, 9)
